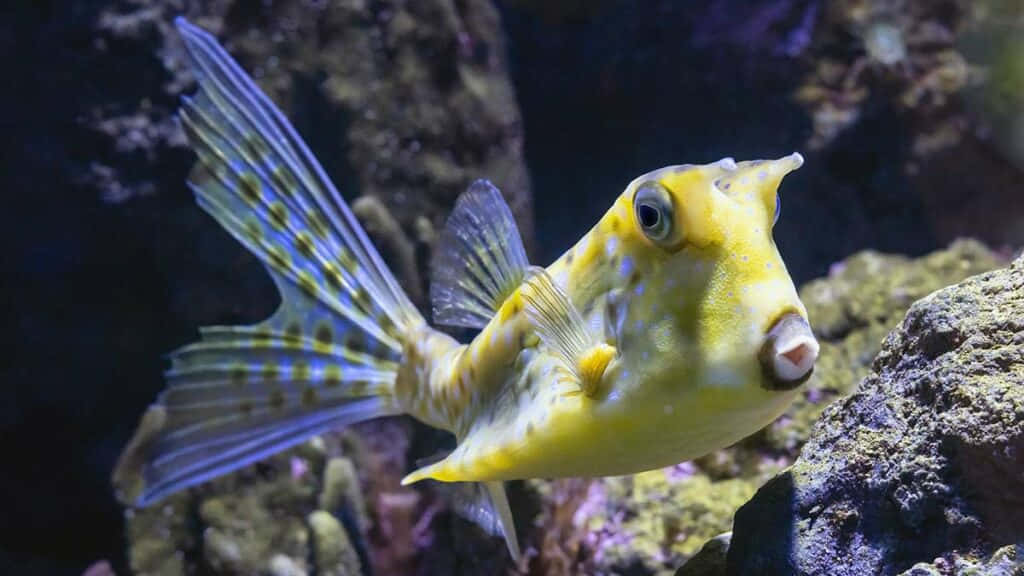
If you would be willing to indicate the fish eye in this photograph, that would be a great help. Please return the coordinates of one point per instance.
(652, 206)
(778, 208)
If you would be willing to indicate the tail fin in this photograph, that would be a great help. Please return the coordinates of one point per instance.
(327, 358)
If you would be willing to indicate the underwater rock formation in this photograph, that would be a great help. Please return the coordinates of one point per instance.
(922, 469)
(1007, 561)
(301, 512)
(851, 311)
(403, 102)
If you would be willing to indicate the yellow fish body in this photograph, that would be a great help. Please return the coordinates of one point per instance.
(671, 329)
(683, 320)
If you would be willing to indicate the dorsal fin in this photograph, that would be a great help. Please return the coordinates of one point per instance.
(479, 259)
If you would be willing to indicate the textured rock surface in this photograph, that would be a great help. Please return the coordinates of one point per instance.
(651, 523)
(332, 550)
(710, 560)
(851, 311)
(1007, 561)
(924, 461)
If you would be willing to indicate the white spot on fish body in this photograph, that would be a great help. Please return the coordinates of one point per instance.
(626, 267)
(611, 246)
(639, 289)
(668, 409)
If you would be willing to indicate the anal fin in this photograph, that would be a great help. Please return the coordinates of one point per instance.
(486, 505)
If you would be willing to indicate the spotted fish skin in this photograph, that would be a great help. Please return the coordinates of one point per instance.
(686, 324)
(642, 346)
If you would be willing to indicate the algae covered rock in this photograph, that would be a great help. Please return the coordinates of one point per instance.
(265, 519)
(851, 311)
(652, 522)
(332, 549)
(1007, 561)
(925, 461)
(710, 560)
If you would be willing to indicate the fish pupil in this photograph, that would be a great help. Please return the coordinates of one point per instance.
(649, 216)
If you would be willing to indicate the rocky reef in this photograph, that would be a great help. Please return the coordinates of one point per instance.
(297, 513)
(920, 471)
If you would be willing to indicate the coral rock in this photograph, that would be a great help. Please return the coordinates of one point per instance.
(925, 460)
(341, 492)
(710, 561)
(333, 553)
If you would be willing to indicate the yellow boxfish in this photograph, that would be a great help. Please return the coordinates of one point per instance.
(669, 330)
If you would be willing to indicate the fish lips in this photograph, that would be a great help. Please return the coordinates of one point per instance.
(788, 354)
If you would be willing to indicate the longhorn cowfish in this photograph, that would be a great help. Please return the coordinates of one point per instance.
(669, 330)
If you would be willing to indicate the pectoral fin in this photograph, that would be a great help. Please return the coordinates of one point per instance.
(561, 328)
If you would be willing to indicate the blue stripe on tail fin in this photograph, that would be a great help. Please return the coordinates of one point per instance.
(329, 355)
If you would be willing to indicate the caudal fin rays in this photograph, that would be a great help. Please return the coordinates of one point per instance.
(327, 358)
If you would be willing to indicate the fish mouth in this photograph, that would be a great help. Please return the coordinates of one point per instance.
(788, 354)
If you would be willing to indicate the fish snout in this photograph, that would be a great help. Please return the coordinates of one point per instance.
(788, 354)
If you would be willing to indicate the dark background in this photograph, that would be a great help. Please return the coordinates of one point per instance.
(95, 293)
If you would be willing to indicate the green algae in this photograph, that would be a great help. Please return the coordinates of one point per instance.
(655, 520)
